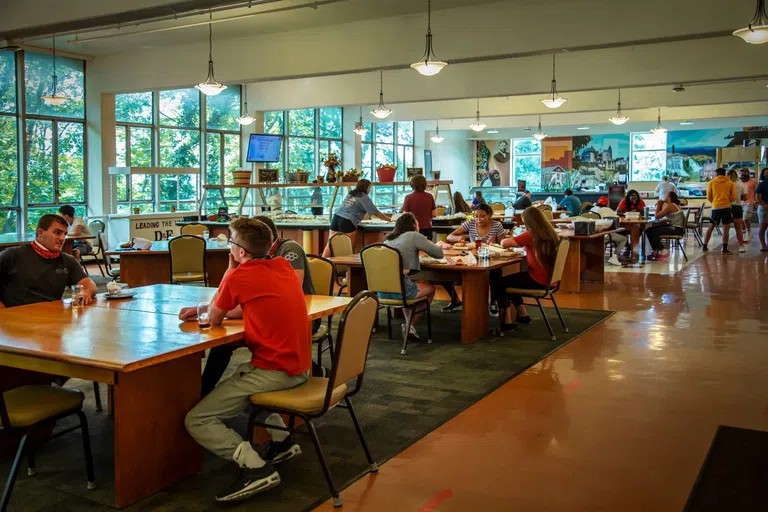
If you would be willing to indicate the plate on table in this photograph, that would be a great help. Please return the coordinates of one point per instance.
(462, 247)
(118, 296)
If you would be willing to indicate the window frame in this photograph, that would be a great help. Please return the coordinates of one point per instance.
(398, 192)
(516, 155)
(16, 116)
(632, 151)
(128, 178)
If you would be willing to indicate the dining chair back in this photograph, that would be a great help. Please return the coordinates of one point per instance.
(187, 254)
(590, 215)
(323, 274)
(193, 229)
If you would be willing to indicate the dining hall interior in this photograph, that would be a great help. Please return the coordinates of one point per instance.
(386, 255)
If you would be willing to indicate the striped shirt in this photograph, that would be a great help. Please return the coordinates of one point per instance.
(495, 232)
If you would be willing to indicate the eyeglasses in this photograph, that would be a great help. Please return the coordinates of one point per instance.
(232, 242)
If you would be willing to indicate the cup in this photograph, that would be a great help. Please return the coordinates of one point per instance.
(203, 316)
(478, 243)
(646, 212)
(113, 288)
(78, 295)
(206, 235)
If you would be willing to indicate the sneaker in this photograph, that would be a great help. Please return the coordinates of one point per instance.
(704, 248)
(453, 306)
(251, 481)
(614, 260)
(524, 319)
(742, 249)
(412, 332)
(494, 309)
(282, 451)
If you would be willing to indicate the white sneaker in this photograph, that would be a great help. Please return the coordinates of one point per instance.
(614, 260)
(412, 331)
(742, 248)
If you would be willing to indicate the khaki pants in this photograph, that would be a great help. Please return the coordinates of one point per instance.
(230, 398)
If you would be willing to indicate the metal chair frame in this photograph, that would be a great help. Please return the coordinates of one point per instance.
(328, 335)
(339, 279)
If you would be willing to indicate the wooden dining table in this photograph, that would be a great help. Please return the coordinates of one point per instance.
(474, 281)
(636, 228)
(12, 240)
(586, 259)
(150, 358)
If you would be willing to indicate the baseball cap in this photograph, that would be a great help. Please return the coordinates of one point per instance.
(603, 201)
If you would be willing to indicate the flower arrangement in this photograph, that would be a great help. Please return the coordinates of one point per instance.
(332, 162)
(386, 172)
(352, 175)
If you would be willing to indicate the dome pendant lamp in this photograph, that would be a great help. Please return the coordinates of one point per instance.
(429, 65)
(210, 87)
(437, 138)
(360, 128)
(381, 112)
(757, 30)
(659, 130)
(539, 135)
(477, 126)
(245, 118)
(55, 99)
(553, 100)
(619, 118)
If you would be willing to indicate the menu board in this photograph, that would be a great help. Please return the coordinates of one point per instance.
(414, 171)
(268, 176)
(264, 148)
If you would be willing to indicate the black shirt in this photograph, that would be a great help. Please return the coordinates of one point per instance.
(522, 203)
(294, 253)
(27, 278)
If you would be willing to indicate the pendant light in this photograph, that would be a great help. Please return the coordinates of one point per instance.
(429, 65)
(210, 87)
(553, 100)
(360, 128)
(55, 99)
(245, 118)
(539, 135)
(757, 30)
(382, 112)
(477, 126)
(619, 118)
(437, 138)
(659, 130)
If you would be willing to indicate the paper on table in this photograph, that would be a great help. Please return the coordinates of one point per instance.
(469, 259)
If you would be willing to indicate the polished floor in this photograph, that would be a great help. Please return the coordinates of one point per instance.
(618, 420)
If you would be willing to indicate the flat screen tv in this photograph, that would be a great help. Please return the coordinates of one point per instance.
(264, 148)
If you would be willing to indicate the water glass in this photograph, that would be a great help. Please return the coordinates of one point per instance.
(206, 235)
(78, 295)
(203, 315)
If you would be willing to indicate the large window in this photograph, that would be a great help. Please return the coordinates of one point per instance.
(526, 162)
(9, 152)
(55, 156)
(388, 143)
(648, 156)
(309, 135)
(134, 116)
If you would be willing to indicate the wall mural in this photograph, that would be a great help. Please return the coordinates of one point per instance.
(691, 154)
(492, 163)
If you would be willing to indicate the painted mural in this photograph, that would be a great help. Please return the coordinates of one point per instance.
(492, 163)
(691, 154)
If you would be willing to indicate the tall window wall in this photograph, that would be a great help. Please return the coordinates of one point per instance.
(177, 128)
(53, 141)
(388, 143)
(648, 156)
(526, 162)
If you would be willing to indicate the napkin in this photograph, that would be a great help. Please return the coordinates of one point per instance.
(222, 237)
(141, 244)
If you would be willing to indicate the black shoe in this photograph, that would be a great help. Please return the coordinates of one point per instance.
(726, 252)
(494, 309)
(524, 319)
(251, 481)
(282, 451)
(453, 306)
(704, 248)
(509, 327)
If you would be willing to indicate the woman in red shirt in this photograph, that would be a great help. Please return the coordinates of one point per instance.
(421, 204)
(540, 242)
(631, 203)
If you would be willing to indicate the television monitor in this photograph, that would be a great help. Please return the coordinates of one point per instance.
(264, 148)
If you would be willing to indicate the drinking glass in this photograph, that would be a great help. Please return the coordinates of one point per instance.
(77, 295)
(206, 235)
(203, 315)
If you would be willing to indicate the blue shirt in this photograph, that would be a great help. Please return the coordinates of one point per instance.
(572, 204)
(762, 190)
(354, 208)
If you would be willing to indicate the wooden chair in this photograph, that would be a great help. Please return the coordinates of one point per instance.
(323, 274)
(440, 211)
(28, 410)
(546, 211)
(95, 227)
(194, 229)
(341, 245)
(591, 215)
(187, 254)
(549, 293)
(697, 225)
(586, 206)
(383, 269)
(498, 208)
(112, 272)
(318, 395)
(678, 239)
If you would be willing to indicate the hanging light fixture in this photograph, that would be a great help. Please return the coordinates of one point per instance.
(539, 135)
(382, 112)
(619, 118)
(757, 30)
(429, 65)
(659, 130)
(437, 138)
(553, 100)
(210, 87)
(55, 99)
(477, 126)
(360, 128)
(245, 118)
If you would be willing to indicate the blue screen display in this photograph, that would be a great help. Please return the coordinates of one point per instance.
(264, 148)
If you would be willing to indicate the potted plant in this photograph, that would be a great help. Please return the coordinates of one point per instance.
(351, 176)
(386, 173)
(332, 162)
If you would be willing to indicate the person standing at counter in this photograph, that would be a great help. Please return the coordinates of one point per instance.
(421, 204)
(665, 187)
(353, 209)
(317, 200)
(631, 203)
(736, 208)
(748, 204)
(524, 201)
(571, 203)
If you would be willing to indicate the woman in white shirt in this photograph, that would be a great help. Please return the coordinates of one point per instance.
(737, 209)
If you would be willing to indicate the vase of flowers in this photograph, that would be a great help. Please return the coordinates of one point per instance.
(332, 162)
(386, 173)
(351, 176)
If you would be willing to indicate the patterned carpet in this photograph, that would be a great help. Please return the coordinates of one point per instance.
(403, 399)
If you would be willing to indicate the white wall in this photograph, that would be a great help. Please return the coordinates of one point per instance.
(453, 157)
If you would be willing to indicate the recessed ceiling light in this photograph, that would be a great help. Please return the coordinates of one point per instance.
(492, 131)
(583, 128)
(686, 123)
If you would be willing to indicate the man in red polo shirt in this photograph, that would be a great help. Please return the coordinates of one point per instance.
(266, 294)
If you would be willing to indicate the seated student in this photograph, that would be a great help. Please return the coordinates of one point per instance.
(601, 208)
(524, 201)
(459, 204)
(263, 291)
(407, 239)
(571, 203)
(218, 357)
(77, 227)
(671, 210)
(631, 203)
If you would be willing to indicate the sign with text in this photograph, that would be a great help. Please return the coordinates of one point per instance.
(155, 229)
(414, 171)
(268, 176)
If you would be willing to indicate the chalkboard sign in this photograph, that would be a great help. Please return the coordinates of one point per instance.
(268, 176)
(410, 172)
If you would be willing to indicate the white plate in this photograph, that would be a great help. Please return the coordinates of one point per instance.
(118, 296)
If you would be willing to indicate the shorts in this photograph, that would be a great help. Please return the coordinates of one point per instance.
(82, 246)
(762, 214)
(724, 215)
(411, 290)
(737, 211)
(749, 210)
(342, 225)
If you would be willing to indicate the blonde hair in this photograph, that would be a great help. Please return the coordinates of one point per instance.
(733, 175)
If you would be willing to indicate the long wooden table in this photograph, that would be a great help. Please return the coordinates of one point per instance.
(150, 357)
(12, 240)
(474, 290)
(153, 266)
(586, 259)
(636, 230)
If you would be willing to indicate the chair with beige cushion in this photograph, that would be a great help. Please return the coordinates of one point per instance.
(383, 269)
(549, 293)
(29, 411)
(498, 208)
(440, 211)
(193, 229)
(318, 395)
(187, 253)
(323, 274)
(678, 239)
(341, 245)
(590, 215)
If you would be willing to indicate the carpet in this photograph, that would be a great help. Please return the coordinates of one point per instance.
(734, 473)
(403, 399)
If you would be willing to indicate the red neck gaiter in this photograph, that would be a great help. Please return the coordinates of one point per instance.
(43, 252)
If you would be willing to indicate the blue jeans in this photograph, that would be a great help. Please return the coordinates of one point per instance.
(411, 290)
